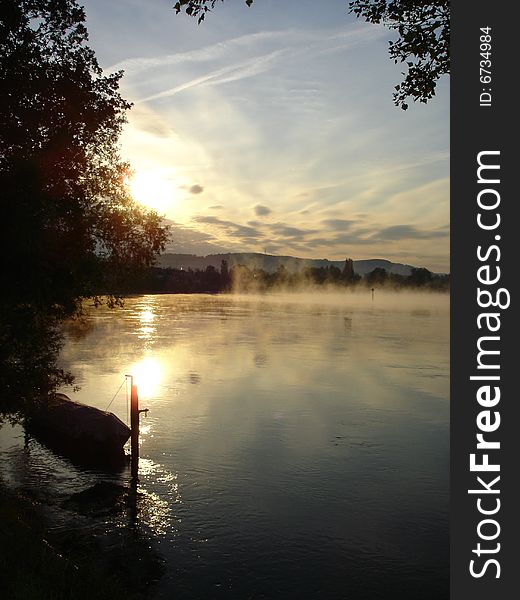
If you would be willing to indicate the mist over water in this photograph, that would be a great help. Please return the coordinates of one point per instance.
(296, 444)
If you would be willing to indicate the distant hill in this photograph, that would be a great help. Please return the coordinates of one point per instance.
(270, 263)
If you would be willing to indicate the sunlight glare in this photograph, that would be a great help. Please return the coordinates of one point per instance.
(148, 374)
(152, 189)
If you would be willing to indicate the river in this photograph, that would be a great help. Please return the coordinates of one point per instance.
(296, 446)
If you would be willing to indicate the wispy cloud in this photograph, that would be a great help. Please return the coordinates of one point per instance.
(338, 224)
(308, 40)
(242, 70)
(185, 239)
(133, 66)
(290, 44)
(409, 232)
(235, 230)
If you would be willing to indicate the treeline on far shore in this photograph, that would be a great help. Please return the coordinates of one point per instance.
(241, 278)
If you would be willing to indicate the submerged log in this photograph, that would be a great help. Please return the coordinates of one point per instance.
(80, 432)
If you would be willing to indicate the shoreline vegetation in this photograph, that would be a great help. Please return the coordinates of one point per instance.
(243, 279)
(35, 566)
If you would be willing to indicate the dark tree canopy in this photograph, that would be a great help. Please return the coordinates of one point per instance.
(199, 8)
(69, 228)
(69, 222)
(423, 44)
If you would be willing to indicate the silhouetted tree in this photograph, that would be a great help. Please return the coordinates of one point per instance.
(420, 276)
(348, 270)
(423, 43)
(224, 274)
(317, 275)
(69, 228)
(157, 279)
(224, 271)
(396, 280)
(69, 224)
(377, 277)
(334, 274)
(439, 283)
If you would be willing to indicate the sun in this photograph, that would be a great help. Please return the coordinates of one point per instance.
(152, 189)
(148, 374)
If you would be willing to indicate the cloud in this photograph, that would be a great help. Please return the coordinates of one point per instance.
(243, 232)
(402, 232)
(216, 51)
(192, 241)
(261, 210)
(346, 239)
(290, 231)
(246, 68)
(290, 44)
(335, 234)
(196, 189)
(150, 122)
(338, 224)
(308, 40)
(259, 233)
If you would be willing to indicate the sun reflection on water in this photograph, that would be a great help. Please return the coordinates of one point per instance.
(156, 509)
(146, 317)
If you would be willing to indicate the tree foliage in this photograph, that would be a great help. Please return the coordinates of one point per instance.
(423, 44)
(69, 228)
(199, 8)
(69, 221)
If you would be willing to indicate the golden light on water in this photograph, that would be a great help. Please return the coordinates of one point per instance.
(153, 189)
(147, 315)
(146, 329)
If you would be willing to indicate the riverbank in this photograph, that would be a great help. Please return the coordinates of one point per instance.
(34, 568)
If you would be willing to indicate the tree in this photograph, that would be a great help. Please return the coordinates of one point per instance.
(424, 38)
(378, 276)
(199, 8)
(69, 228)
(348, 270)
(424, 41)
(420, 276)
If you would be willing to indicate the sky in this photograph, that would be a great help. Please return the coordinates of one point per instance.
(273, 129)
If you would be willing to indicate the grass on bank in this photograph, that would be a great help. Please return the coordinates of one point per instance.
(30, 568)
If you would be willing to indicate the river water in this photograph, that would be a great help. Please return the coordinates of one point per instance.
(296, 446)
